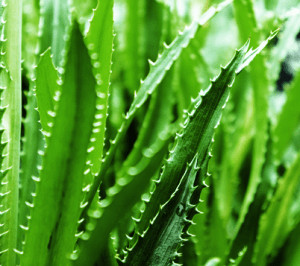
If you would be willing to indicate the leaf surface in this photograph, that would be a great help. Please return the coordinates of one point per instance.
(288, 119)
(46, 87)
(154, 77)
(279, 219)
(99, 40)
(56, 207)
(118, 204)
(55, 13)
(260, 84)
(11, 25)
(165, 234)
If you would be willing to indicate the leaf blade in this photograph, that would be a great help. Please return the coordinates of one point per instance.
(57, 202)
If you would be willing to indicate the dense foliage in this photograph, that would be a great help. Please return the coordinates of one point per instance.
(124, 142)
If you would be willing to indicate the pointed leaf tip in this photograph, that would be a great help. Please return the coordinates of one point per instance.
(251, 54)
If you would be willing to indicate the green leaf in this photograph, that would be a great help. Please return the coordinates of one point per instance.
(159, 244)
(46, 87)
(247, 234)
(118, 204)
(278, 220)
(288, 119)
(271, 4)
(84, 9)
(155, 76)
(291, 256)
(286, 42)
(11, 47)
(232, 144)
(245, 18)
(30, 32)
(238, 260)
(56, 207)
(260, 84)
(32, 141)
(99, 40)
(32, 146)
(134, 47)
(5, 185)
(156, 122)
(196, 135)
(55, 20)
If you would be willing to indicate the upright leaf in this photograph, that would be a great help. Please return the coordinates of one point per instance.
(244, 12)
(54, 21)
(99, 40)
(46, 87)
(11, 80)
(166, 232)
(32, 147)
(154, 77)
(30, 34)
(196, 136)
(56, 207)
(32, 141)
(288, 119)
(167, 211)
(117, 204)
(134, 48)
(279, 219)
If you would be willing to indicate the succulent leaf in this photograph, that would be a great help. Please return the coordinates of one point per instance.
(157, 72)
(288, 119)
(260, 106)
(51, 234)
(11, 26)
(115, 206)
(99, 40)
(196, 136)
(46, 89)
(159, 244)
(57, 14)
(280, 218)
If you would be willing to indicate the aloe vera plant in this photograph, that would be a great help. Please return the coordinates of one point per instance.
(123, 141)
